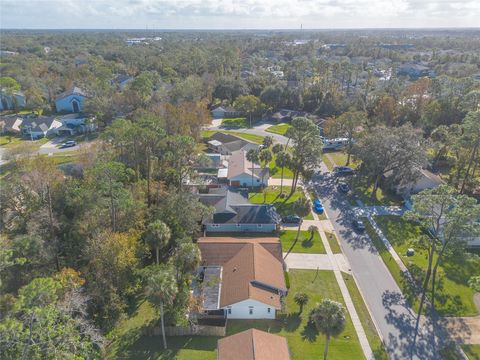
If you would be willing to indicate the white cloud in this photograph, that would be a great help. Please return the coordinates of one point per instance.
(238, 13)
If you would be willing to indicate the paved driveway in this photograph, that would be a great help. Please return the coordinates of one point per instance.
(53, 146)
(308, 261)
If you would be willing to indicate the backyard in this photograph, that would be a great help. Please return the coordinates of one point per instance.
(280, 129)
(454, 296)
(240, 122)
(305, 244)
(284, 205)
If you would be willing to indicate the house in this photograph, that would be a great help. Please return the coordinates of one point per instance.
(243, 278)
(414, 71)
(121, 81)
(12, 101)
(38, 127)
(71, 101)
(222, 112)
(10, 124)
(226, 144)
(233, 213)
(253, 344)
(74, 124)
(426, 180)
(242, 172)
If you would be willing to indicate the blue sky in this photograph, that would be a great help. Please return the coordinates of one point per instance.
(237, 14)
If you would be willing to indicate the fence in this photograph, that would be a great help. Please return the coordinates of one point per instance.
(198, 330)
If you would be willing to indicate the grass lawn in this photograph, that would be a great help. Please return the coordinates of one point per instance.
(284, 206)
(328, 163)
(333, 241)
(365, 318)
(129, 343)
(287, 173)
(364, 192)
(454, 297)
(240, 122)
(249, 137)
(340, 159)
(472, 351)
(305, 243)
(9, 140)
(303, 339)
(280, 129)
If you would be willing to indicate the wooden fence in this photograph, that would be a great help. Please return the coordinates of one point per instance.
(198, 330)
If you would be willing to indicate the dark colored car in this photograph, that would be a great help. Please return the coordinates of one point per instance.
(318, 207)
(343, 171)
(68, 144)
(343, 187)
(291, 219)
(358, 225)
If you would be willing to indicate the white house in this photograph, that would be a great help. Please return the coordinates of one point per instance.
(225, 112)
(71, 101)
(426, 180)
(37, 127)
(242, 277)
(243, 173)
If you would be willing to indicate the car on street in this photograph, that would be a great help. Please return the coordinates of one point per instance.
(318, 207)
(291, 219)
(67, 144)
(344, 188)
(343, 171)
(358, 225)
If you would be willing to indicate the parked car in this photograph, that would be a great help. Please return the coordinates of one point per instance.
(358, 225)
(343, 171)
(291, 219)
(343, 187)
(318, 207)
(67, 144)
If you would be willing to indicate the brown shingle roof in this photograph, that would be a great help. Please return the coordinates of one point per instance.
(253, 344)
(238, 164)
(250, 271)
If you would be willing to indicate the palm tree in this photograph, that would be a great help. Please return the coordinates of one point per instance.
(312, 229)
(252, 156)
(329, 318)
(283, 159)
(161, 289)
(157, 236)
(301, 208)
(267, 141)
(301, 299)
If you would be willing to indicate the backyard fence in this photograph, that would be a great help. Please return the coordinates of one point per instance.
(199, 330)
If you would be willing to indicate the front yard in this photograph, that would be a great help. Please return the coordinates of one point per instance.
(363, 191)
(287, 173)
(280, 129)
(305, 244)
(454, 297)
(283, 204)
(240, 122)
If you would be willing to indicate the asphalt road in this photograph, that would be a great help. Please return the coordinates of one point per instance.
(53, 146)
(384, 298)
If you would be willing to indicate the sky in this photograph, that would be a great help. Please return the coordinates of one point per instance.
(237, 14)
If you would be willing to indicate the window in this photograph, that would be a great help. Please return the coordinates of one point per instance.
(259, 225)
(229, 310)
(250, 310)
(258, 180)
(268, 310)
(238, 225)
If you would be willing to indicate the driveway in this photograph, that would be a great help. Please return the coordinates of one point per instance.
(53, 146)
(384, 298)
(308, 261)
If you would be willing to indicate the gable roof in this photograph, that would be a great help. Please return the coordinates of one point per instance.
(238, 164)
(224, 138)
(38, 124)
(251, 272)
(10, 123)
(253, 344)
(225, 109)
(72, 91)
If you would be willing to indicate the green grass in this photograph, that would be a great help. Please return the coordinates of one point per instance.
(9, 140)
(364, 193)
(365, 318)
(334, 245)
(328, 163)
(205, 134)
(130, 343)
(287, 173)
(284, 206)
(340, 159)
(472, 351)
(303, 339)
(453, 297)
(305, 243)
(280, 129)
(240, 122)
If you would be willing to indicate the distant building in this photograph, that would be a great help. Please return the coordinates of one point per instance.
(10, 124)
(222, 112)
(71, 101)
(414, 71)
(122, 80)
(397, 46)
(253, 344)
(11, 101)
(226, 144)
(73, 124)
(38, 127)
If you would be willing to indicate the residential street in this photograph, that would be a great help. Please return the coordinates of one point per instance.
(382, 295)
